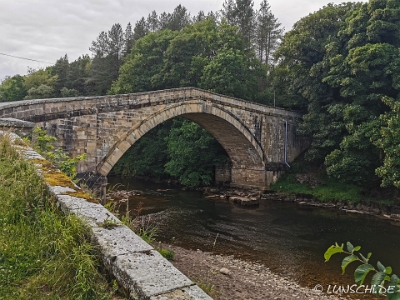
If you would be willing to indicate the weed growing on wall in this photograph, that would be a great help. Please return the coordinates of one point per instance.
(43, 143)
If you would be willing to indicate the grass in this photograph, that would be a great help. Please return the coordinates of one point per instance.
(43, 253)
(329, 190)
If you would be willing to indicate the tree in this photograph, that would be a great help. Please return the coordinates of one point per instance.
(230, 73)
(268, 33)
(41, 92)
(129, 40)
(36, 78)
(144, 64)
(12, 89)
(108, 50)
(388, 140)
(241, 13)
(153, 22)
(78, 74)
(341, 61)
(60, 71)
(147, 156)
(364, 71)
(304, 57)
(180, 18)
(141, 29)
(193, 154)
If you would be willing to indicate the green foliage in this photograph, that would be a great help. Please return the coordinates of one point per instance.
(36, 78)
(205, 54)
(110, 223)
(167, 253)
(193, 154)
(147, 156)
(43, 144)
(41, 92)
(12, 89)
(43, 254)
(144, 63)
(340, 62)
(382, 278)
(388, 140)
(328, 189)
(231, 73)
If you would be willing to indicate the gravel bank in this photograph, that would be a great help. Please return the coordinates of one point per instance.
(227, 278)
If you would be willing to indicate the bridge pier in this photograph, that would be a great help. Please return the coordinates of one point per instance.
(248, 178)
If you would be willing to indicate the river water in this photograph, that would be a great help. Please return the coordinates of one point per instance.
(288, 238)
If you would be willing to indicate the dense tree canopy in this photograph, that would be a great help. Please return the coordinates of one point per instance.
(340, 63)
(12, 89)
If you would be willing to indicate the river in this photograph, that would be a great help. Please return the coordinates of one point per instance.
(288, 238)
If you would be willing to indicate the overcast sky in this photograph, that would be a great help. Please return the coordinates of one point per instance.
(45, 30)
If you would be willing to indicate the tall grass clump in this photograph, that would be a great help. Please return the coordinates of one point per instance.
(43, 253)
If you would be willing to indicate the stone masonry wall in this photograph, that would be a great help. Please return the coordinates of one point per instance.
(105, 127)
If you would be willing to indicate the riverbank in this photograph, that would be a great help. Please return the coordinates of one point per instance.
(226, 278)
(252, 197)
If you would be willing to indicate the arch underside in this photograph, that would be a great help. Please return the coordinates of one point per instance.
(245, 153)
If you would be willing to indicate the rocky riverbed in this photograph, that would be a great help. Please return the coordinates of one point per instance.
(226, 278)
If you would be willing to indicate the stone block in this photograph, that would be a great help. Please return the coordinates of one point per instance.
(94, 214)
(148, 273)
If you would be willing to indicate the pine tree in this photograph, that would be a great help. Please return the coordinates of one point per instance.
(241, 13)
(141, 29)
(152, 22)
(129, 40)
(268, 33)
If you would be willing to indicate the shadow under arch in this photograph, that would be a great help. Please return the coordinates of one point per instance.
(244, 151)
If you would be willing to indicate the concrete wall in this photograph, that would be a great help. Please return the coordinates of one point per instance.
(105, 127)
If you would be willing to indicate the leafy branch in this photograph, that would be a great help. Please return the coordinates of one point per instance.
(382, 274)
(43, 143)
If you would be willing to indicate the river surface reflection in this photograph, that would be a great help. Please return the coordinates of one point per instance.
(288, 238)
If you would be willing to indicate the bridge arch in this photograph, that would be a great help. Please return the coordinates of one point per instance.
(245, 152)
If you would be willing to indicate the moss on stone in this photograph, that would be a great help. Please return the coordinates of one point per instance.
(54, 177)
(83, 195)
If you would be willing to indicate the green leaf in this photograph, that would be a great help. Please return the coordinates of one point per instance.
(333, 250)
(361, 272)
(357, 248)
(388, 270)
(393, 296)
(348, 260)
(350, 247)
(381, 267)
(393, 287)
(377, 280)
(365, 260)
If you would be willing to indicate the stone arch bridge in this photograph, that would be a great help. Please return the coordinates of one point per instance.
(260, 140)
